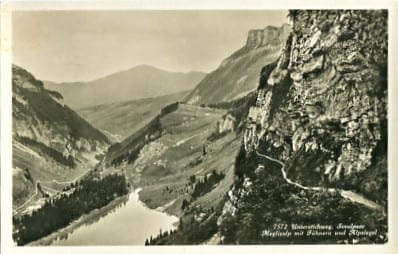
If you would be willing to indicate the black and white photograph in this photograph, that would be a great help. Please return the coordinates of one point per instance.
(147, 127)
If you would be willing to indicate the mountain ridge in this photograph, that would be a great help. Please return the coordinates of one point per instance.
(136, 67)
(237, 74)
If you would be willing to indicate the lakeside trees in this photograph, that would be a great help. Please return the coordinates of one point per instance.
(58, 212)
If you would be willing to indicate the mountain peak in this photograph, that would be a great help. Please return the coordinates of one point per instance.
(145, 67)
(141, 81)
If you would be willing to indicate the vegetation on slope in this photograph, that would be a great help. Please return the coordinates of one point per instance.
(272, 201)
(42, 107)
(81, 198)
(46, 150)
(191, 230)
(47, 110)
(131, 146)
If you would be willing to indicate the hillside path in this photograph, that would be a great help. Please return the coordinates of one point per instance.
(347, 194)
(47, 182)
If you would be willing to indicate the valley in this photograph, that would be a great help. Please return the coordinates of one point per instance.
(121, 119)
(174, 157)
(164, 164)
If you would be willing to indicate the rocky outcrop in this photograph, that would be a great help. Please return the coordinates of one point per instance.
(227, 123)
(24, 80)
(237, 75)
(57, 97)
(334, 66)
(269, 36)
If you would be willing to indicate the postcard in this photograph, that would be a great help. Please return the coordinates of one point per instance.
(220, 126)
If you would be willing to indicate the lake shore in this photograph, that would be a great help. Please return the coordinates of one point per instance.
(90, 218)
(85, 219)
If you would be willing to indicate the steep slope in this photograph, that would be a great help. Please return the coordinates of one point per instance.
(121, 119)
(315, 145)
(51, 143)
(142, 81)
(238, 74)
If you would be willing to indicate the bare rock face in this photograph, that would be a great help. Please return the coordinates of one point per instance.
(269, 36)
(333, 70)
(226, 124)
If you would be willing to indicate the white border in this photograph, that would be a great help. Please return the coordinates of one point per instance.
(6, 123)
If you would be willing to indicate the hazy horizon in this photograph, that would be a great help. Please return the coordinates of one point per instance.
(119, 71)
(71, 46)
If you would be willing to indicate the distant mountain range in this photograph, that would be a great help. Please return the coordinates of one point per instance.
(142, 81)
(239, 73)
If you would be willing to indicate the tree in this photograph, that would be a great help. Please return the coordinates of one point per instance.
(59, 211)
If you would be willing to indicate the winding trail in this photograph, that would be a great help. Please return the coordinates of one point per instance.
(29, 199)
(352, 196)
(47, 182)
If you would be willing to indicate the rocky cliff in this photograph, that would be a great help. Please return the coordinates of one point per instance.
(238, 74)
(319, 127)
(269, 36)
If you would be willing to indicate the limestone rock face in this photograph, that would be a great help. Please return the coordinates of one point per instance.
(321, 112)
(331, 77)
(269, 36)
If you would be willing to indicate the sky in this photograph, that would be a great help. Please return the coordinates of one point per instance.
(67, 46)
